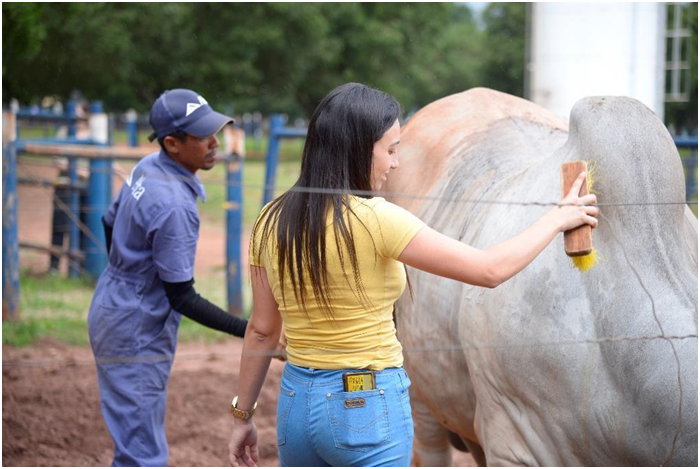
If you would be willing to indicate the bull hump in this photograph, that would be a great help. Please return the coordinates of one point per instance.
(429, 137)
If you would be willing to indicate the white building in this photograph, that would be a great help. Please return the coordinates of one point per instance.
(576, 50)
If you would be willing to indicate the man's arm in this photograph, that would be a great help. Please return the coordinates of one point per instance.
(184, 299)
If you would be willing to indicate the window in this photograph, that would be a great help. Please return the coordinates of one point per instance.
(678, 50)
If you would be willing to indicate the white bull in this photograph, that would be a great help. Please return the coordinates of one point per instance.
(537, 371)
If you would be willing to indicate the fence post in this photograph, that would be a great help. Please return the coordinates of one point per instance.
(74, 204)
(10, 243)
(99, 194)
(234, 141)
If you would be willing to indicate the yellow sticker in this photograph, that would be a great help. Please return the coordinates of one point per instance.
(361, 382)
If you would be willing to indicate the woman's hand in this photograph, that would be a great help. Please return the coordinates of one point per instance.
(575, 211)
(245, 435)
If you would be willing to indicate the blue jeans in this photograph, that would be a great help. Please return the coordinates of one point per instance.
(316, 428)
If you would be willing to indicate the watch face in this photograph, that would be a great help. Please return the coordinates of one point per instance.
(241, 414)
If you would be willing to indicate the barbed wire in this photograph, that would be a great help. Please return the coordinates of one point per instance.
(70, 361)
(402, 195)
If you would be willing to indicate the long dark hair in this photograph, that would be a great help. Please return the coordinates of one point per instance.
(337, 155)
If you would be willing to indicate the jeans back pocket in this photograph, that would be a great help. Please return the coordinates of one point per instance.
(359, 421)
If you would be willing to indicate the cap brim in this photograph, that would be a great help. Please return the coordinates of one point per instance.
(208, 125)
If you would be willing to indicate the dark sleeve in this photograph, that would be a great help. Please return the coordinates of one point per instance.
(184, 299)
(108, 234)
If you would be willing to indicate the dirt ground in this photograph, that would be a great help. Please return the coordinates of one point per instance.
(51, 413)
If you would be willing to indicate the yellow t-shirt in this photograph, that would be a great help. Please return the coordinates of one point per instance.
(361, 333)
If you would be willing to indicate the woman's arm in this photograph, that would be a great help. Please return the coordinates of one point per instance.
(441, 255)
(260, 341)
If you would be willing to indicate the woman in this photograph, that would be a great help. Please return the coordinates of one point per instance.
(331, 265)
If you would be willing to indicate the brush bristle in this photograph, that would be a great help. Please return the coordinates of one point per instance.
(590, 176)
(587, 262)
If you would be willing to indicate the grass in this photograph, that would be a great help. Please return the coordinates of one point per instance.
(253, 180)
(50, 306)
(56, 307)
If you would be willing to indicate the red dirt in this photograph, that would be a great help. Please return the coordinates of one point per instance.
(51, 414)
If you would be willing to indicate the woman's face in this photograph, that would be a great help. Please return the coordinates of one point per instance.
(385, 156)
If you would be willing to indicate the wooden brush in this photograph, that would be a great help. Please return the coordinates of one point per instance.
(579, 241)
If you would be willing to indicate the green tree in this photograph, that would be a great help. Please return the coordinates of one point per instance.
(272, 57)
(504, 47)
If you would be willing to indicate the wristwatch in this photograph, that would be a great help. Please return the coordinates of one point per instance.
(242, 414)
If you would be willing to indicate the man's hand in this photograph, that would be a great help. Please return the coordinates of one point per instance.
(280, 352)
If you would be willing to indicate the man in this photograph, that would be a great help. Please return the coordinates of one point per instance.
(152, 229)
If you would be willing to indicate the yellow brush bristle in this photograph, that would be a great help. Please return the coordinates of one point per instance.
(587, 262)
(590, 176)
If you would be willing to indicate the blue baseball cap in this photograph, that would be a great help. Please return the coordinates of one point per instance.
(187, 111)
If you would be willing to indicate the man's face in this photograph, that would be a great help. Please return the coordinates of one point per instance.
(194, 153)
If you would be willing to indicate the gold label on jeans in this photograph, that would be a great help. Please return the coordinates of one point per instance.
(353, 403)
